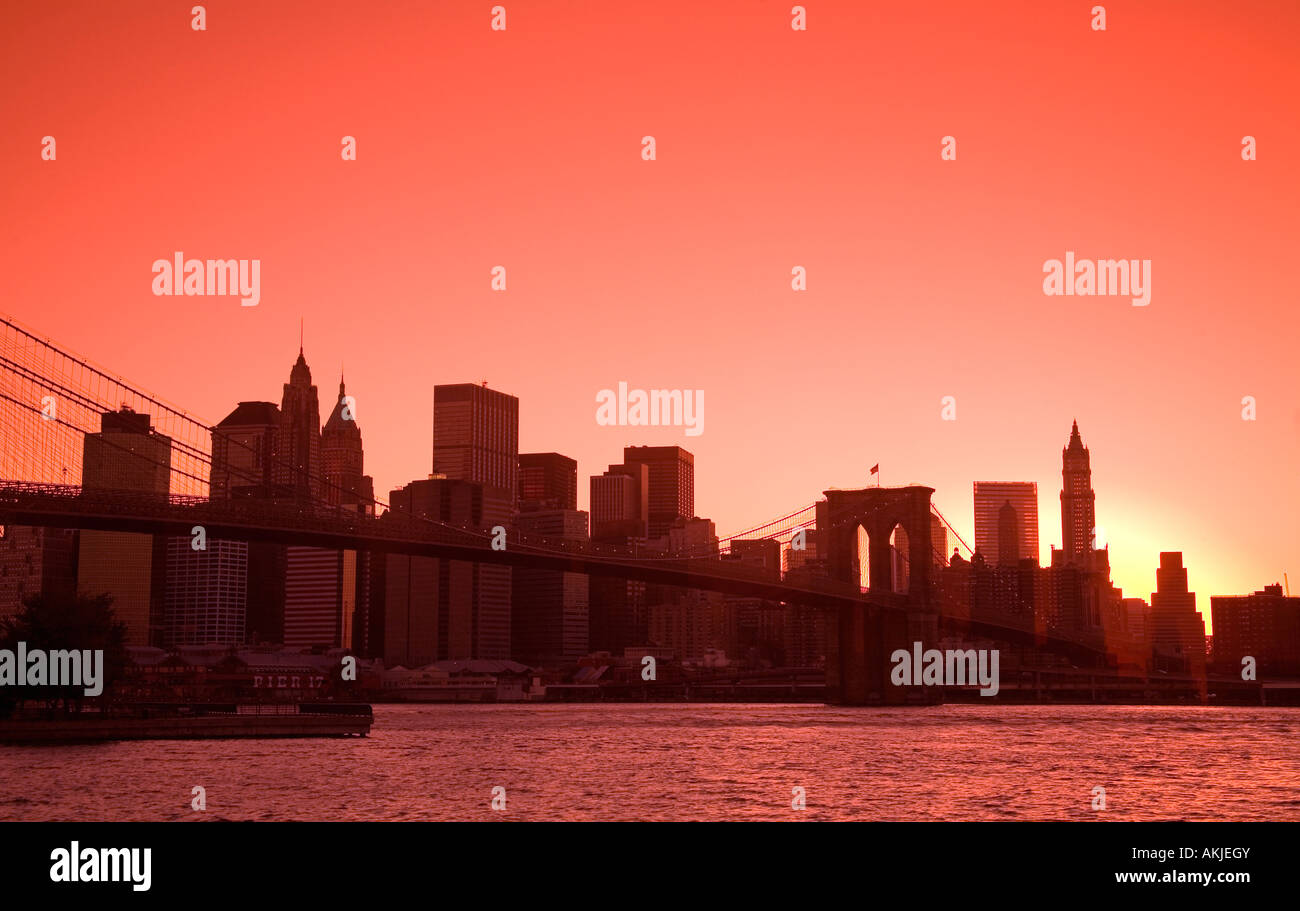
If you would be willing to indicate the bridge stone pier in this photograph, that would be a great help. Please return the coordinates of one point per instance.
(860, 643)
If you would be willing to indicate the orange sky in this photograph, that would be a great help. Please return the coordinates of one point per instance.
(775, 148)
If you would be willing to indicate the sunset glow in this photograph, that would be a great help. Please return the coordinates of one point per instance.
(774, 150)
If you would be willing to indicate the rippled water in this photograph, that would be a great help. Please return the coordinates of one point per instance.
(690, 761)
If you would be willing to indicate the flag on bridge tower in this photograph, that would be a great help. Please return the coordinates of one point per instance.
(875, 470)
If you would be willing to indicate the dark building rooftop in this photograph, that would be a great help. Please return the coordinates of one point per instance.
(252, 413)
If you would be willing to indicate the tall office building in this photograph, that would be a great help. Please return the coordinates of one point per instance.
(319, 596)
(298, 461)
(1137, 614)
(620, 511)
(476, 436)
(311, 590)
(1006, 521)
(425, 609)
(343, 458)
(35, 561)
(1176, 630)
(1074, 595)
(206, 595)
(974, 589)
(349, 487)
(245, 456)
(126, 455)
(1264, 626)
(322, 590)
(549, 609)
(761, 554)
(900, 559)
(620, 503)
(688, 621)
(938, 541)
(547, 480)
(693, 537)
(419, 604)
(672, 484)
(1078, 502)
(757, 625)
(244, 451)
(805, 628)
(901, 555)
(320, 584)
(476, 439)
(654, 485)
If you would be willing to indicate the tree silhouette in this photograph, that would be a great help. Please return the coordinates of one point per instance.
(57, 622)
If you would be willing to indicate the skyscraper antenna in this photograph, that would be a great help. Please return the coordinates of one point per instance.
(300, 332)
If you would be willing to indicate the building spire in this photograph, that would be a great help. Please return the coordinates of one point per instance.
(301, 373)
(1078, 502)
(1076, 441)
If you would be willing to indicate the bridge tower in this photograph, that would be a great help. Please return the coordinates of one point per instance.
(862, 638)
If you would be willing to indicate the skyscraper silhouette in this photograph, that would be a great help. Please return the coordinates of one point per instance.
(476, 441)
(244, 456)
(343, 458)
(319, 584)
(127, 454)
(299, 464)
(1078, 513)
(1177, 628)
(1006, 536)
(476, 437)
(672, 484)
(620, 511)
(620, 503)
(547, 480)
(427, 609)
(245, 460)
(549, 610)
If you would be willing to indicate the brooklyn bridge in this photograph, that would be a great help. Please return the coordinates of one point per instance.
(52, 399)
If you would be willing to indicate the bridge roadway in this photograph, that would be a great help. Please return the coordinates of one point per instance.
(307, 525)
(314, 525)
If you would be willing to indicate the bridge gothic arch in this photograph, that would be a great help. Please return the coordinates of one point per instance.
(877, 511)
(864, 636)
